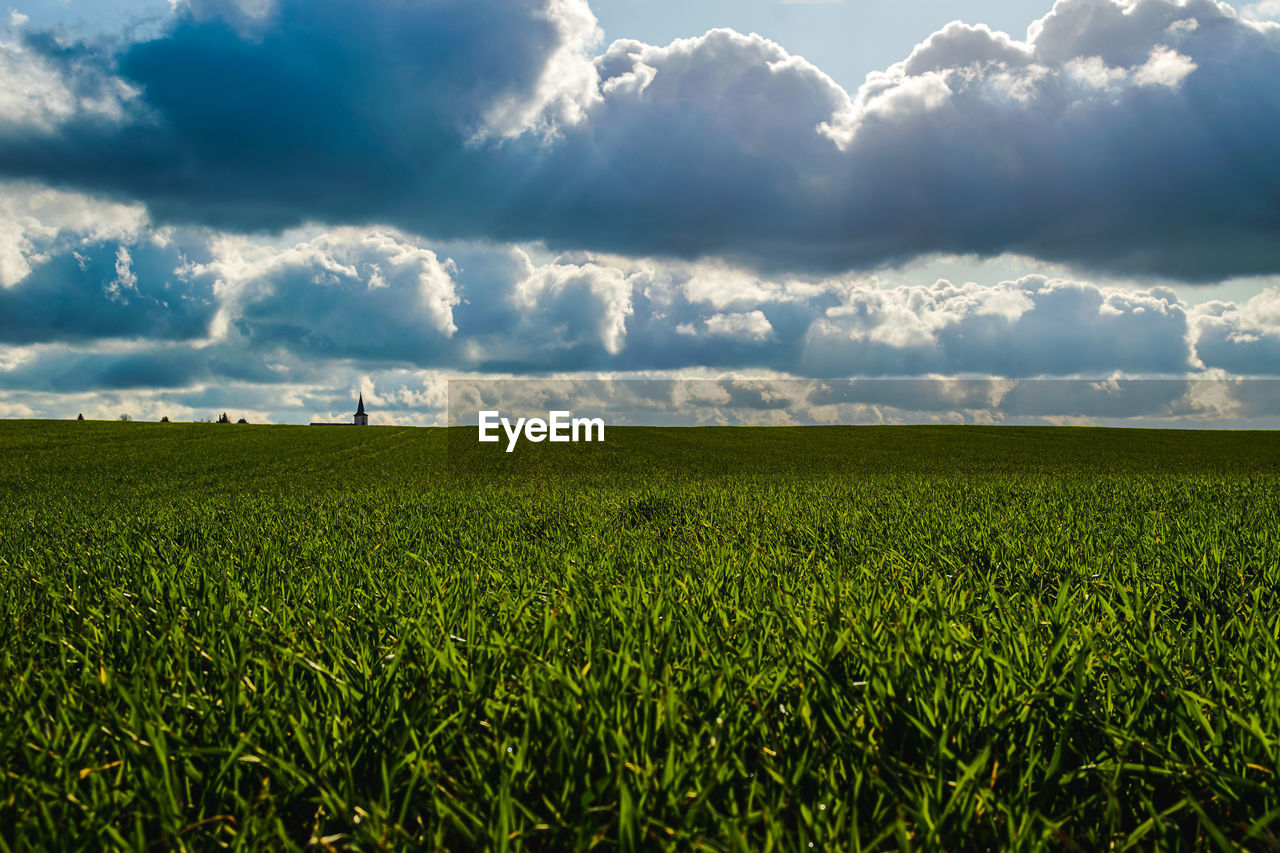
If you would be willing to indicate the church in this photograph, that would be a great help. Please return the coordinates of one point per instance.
(360, 418)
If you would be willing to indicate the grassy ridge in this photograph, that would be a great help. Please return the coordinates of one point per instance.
(851, 637)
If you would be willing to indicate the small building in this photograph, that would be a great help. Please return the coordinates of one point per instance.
(360, 418)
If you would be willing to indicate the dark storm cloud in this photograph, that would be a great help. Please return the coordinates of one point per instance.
(1132, 137)
(323, 108)
(153, 367)
(106, 290)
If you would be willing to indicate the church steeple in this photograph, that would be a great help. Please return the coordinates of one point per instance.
(360, 419)
(360, 408)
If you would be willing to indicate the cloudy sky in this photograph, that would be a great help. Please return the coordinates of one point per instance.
(268, 206)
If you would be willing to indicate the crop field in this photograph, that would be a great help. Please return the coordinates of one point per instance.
(827, 638)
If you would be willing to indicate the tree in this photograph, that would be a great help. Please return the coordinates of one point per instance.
(223, 419)
(126, 417)
(242, 421)
(80, 416)
(165, 419)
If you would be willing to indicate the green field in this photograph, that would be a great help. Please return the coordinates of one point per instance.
(822, 638)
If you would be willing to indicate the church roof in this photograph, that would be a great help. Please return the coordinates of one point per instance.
(360, 408)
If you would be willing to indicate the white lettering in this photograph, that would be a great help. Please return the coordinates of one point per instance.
(589, 423)
(488, 421)
(560, 426)
(513, 435)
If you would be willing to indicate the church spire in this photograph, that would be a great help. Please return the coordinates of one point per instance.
(360, 408)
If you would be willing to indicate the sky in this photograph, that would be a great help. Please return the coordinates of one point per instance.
(268, 207)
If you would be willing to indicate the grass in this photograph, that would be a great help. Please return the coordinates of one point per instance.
(855, 638)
